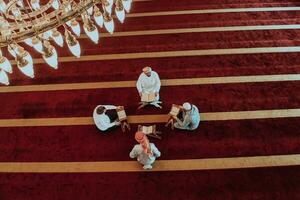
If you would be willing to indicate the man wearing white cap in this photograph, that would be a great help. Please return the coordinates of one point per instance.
(190, 117)
(149, 82)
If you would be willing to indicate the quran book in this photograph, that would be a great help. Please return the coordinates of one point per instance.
(148, 97)
(147, 129)
(121, 115)
(174, 110)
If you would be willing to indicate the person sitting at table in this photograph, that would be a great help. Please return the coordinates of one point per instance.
(149, 82)
(145, 152)
(190, 118)
(106, 117)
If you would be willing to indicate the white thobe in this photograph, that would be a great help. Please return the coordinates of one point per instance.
(191, 120)
(102, 121)
(149, 84)
(142, 157)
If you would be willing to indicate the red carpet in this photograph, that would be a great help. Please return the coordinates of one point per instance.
(267, 183)
(213, 139)
(209, 98)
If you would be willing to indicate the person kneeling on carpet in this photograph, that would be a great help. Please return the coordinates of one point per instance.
(145, 152)
(106, 117)
(189, 119)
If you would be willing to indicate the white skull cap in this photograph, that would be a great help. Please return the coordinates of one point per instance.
(187, 106)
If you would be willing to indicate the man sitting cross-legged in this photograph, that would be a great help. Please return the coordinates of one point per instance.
(106, 117)
(190, 118)
(148, 83)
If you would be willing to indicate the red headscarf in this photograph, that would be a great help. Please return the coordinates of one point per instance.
(141, 138)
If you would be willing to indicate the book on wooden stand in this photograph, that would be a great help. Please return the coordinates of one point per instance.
(148, 97)
(150, 131)
(122, 118)
(175, 110)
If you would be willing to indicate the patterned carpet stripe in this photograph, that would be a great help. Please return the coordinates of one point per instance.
(160, 165)
(216, 116)
(186, 53)
(165, 82)
(198, 30)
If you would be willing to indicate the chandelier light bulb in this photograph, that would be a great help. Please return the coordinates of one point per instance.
(55, 4)
(57, 37)
(35, 4)
(127, 5)
(50, 55)
(4, 78)
(5, 64)
(108, 8)
(13, 49)
(69, 23)
(98, 17)
(52, 61)
(37, 44)
(108, 5)
(109, 23)
(120, 15)
(73, 44)
(28, 42)
(5, 27)
(75, 27)
(91, 31)
(3, 6)
(20, 3)
(46, 35)
(25, 54)
(75, 49)
(24, 63)
(16, 12)
(90, 11)
(66, 5)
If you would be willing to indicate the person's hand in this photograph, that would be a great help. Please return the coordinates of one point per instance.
(119, 107)
(175, 117)
(117, 123)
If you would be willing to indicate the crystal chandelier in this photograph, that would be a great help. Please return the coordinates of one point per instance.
(37, 25)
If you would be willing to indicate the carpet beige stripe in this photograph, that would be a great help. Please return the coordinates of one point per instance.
(136, 119)
(211, 11)
(164, 54)
(160, 165)
(199, 30)
(165, 82)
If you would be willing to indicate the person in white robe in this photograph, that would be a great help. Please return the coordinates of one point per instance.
(145, 152)
(104, 120)
(190, 118)
(149, 82)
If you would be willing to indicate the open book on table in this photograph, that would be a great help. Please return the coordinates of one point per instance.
(175, 110)
(121, 113)
(148, 97)
(147, 129)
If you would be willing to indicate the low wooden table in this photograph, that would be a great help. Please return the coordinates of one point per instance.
(175, 110)
(149, 99)
(150, 131)
(154, 103)
(123, 118)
